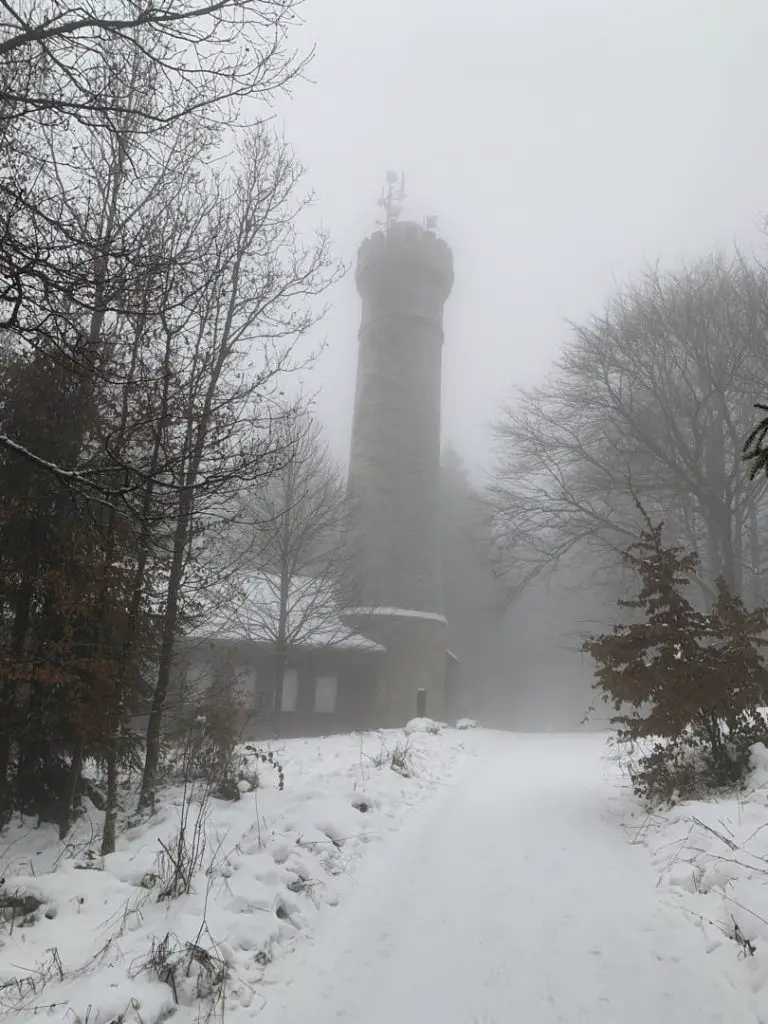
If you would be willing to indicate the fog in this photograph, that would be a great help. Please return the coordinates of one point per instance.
(425, 609)
(563, 147)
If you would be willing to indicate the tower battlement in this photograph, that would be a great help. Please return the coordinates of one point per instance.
(407, 252)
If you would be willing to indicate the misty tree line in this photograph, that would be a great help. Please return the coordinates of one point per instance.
(654, 400)
(157, 274)
(642, 427)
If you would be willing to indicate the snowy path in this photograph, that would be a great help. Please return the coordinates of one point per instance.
(510, 899)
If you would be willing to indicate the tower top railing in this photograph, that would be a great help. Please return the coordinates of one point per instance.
(410, 248)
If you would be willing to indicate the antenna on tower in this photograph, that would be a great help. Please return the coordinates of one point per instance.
(392, 198)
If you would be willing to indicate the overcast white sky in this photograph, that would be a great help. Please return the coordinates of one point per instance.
(562, 143)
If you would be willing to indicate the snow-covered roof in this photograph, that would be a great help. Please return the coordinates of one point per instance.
(397, 613)
(313, 619)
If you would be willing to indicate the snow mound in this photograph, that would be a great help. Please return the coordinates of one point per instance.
(124, 938)
(712, 860)
(467, 723)
(428, 725)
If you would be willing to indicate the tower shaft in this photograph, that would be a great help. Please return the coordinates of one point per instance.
(404, 276)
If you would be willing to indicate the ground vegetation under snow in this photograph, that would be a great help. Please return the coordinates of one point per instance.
(202, 895)
(566, 894)
(711, 857)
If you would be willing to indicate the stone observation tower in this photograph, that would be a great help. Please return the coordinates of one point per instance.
(404, 275)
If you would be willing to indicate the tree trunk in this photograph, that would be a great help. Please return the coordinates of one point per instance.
(167, 644)
(8, 694)
(6, 789)
(755, 554)
(109, 835)
(67, 809)
(281, 643)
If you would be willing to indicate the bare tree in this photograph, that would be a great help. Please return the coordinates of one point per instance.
(211, 52)
(295, 560)
(254, 301)
(169, 294)
(473, 598)
(129, 75)
(651, 400)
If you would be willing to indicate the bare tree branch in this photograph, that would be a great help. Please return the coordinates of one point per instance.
(650, 401)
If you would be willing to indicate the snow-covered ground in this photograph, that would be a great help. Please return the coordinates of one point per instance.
(512, 896)
(105, 945)
(712, 863)
(508, 878)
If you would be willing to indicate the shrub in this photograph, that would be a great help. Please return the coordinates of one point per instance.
(399, 758)
(691, 683)
(194, 972)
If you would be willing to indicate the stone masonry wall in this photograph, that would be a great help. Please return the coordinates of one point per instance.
(404, 277)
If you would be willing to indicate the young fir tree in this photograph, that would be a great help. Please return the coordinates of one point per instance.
(692, 684)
